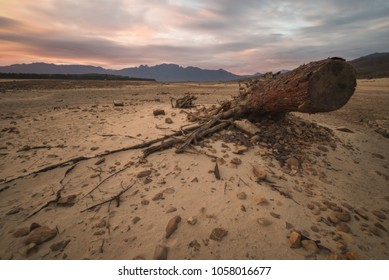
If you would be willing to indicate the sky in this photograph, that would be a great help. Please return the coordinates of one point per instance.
(243, 37)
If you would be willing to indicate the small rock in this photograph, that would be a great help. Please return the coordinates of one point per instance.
(333, 219)
(259, 200)
(94, 148)
(158, 112)
(100, 161)
(59, 246)
(259, 172)
(275, 215)
(34, 226)
(171, 209)
(168, 121)
(293, 162)
(310, 246)
(379, 214)
(242, 195)
(348, 206)
(310, 206)
(341, 246)
(346, 237)
(172, 226)
(136, 219)
(344, 129)
(218, 234)
(67, 201)
(236, 161)
(117, 103)
(294, 240)
(195, 245)
(380, 226)
(334, 256)
(99, 232)
(143, 173)
(264, 221)
(288, 225)
(21, 232)
(247, 127)
(191, 220)
(157, 196)
(316, 212)
(14, 211)
(160, 253)
(343, 216)
(314, 228)
(243, 208)
(194, 180)
(40, 235)
(374, 230)
(240, 149)
(361, 214)
(323, 149)
(145, 202)
(343, 227)
(147, 180)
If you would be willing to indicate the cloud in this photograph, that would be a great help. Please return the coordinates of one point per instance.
(242, 36)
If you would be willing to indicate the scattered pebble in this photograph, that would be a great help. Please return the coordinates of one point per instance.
(379, 214)
(158, 112)
(264, 221)
(21, 232)
(172, 226)
(361, 214)
(191, 220)
(40, 235)
(310, 246)
(294, 240)
(218, 234)
(59, 246)
(171, 209)
(275, 215)
(259, 172)
(242, 195)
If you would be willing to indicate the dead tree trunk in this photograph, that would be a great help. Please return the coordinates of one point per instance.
(320, 86)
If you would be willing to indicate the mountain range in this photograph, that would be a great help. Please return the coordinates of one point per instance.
(371, 66)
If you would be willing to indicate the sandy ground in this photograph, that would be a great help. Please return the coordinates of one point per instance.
(329, 185)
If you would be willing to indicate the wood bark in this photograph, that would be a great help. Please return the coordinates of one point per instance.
(320, 86)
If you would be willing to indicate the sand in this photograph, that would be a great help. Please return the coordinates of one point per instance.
(334, 174)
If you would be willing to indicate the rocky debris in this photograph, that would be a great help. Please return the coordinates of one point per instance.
(118, 103)
(374, 230)
(172, 226)
(288, 225)
(379, 214)
(40, 235)
(216, 171)
(34, 226)
(59, 246)
(145, 202)
(100, 161)
(158, 112)
(343, 227)
(380, 226)
(14, 211)
(334, 256)
(136, 219)
(310, 246)
(236, 161)
(314, 228)
(247, 127)
(195, 245)
(259, 172)
(99, 232)
(241, 196)
(260, 200)
(264, 221)
(218, 234)
(67, 201)
(20, 232)
(160, 252)
(332, 219)
(292, 162)
(184, 102)
(361, 214)
(352, 256)
(168, 120)
(192, 220)
(294, 240)
(239, 149)
(143, 173)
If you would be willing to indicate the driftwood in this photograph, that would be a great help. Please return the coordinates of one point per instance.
(183, 102)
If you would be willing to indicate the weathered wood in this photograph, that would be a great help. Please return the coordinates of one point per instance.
(320, 86)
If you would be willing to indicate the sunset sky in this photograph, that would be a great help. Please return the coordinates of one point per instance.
(243, 37)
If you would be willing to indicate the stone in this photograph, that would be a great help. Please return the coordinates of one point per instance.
(380, 226)
(344, 129)
(240, 149)
(346, 237)
(99, 232)
(314, 228)
(247, 127)
(172, 226)
(195, 245)
(20, 232)
(117, 103)
(14, 211)
(157, 196)
(294, 240)
(259, 172)
(343, 216)
(264, 221)
(145, 202)
(136, 219)
(310, 206)
(361, 214)
(34, 226)
(341, 246)
(288, 225)
(275, 215)
(158, 112)
(168, 121)
(100, 161)
(334, 256)
(143, 173)
(348, 206)
(218, 234)
(332, 219)
(236, 161)
(160, 252)
(374, 230)
(242, 196)
(67, 201)
(379, 214)
(192, 220)
(259, 200)
(171, 209)
(59, 246)
(40, 235)
(293, 162)
(310, 246)
(343, 227)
